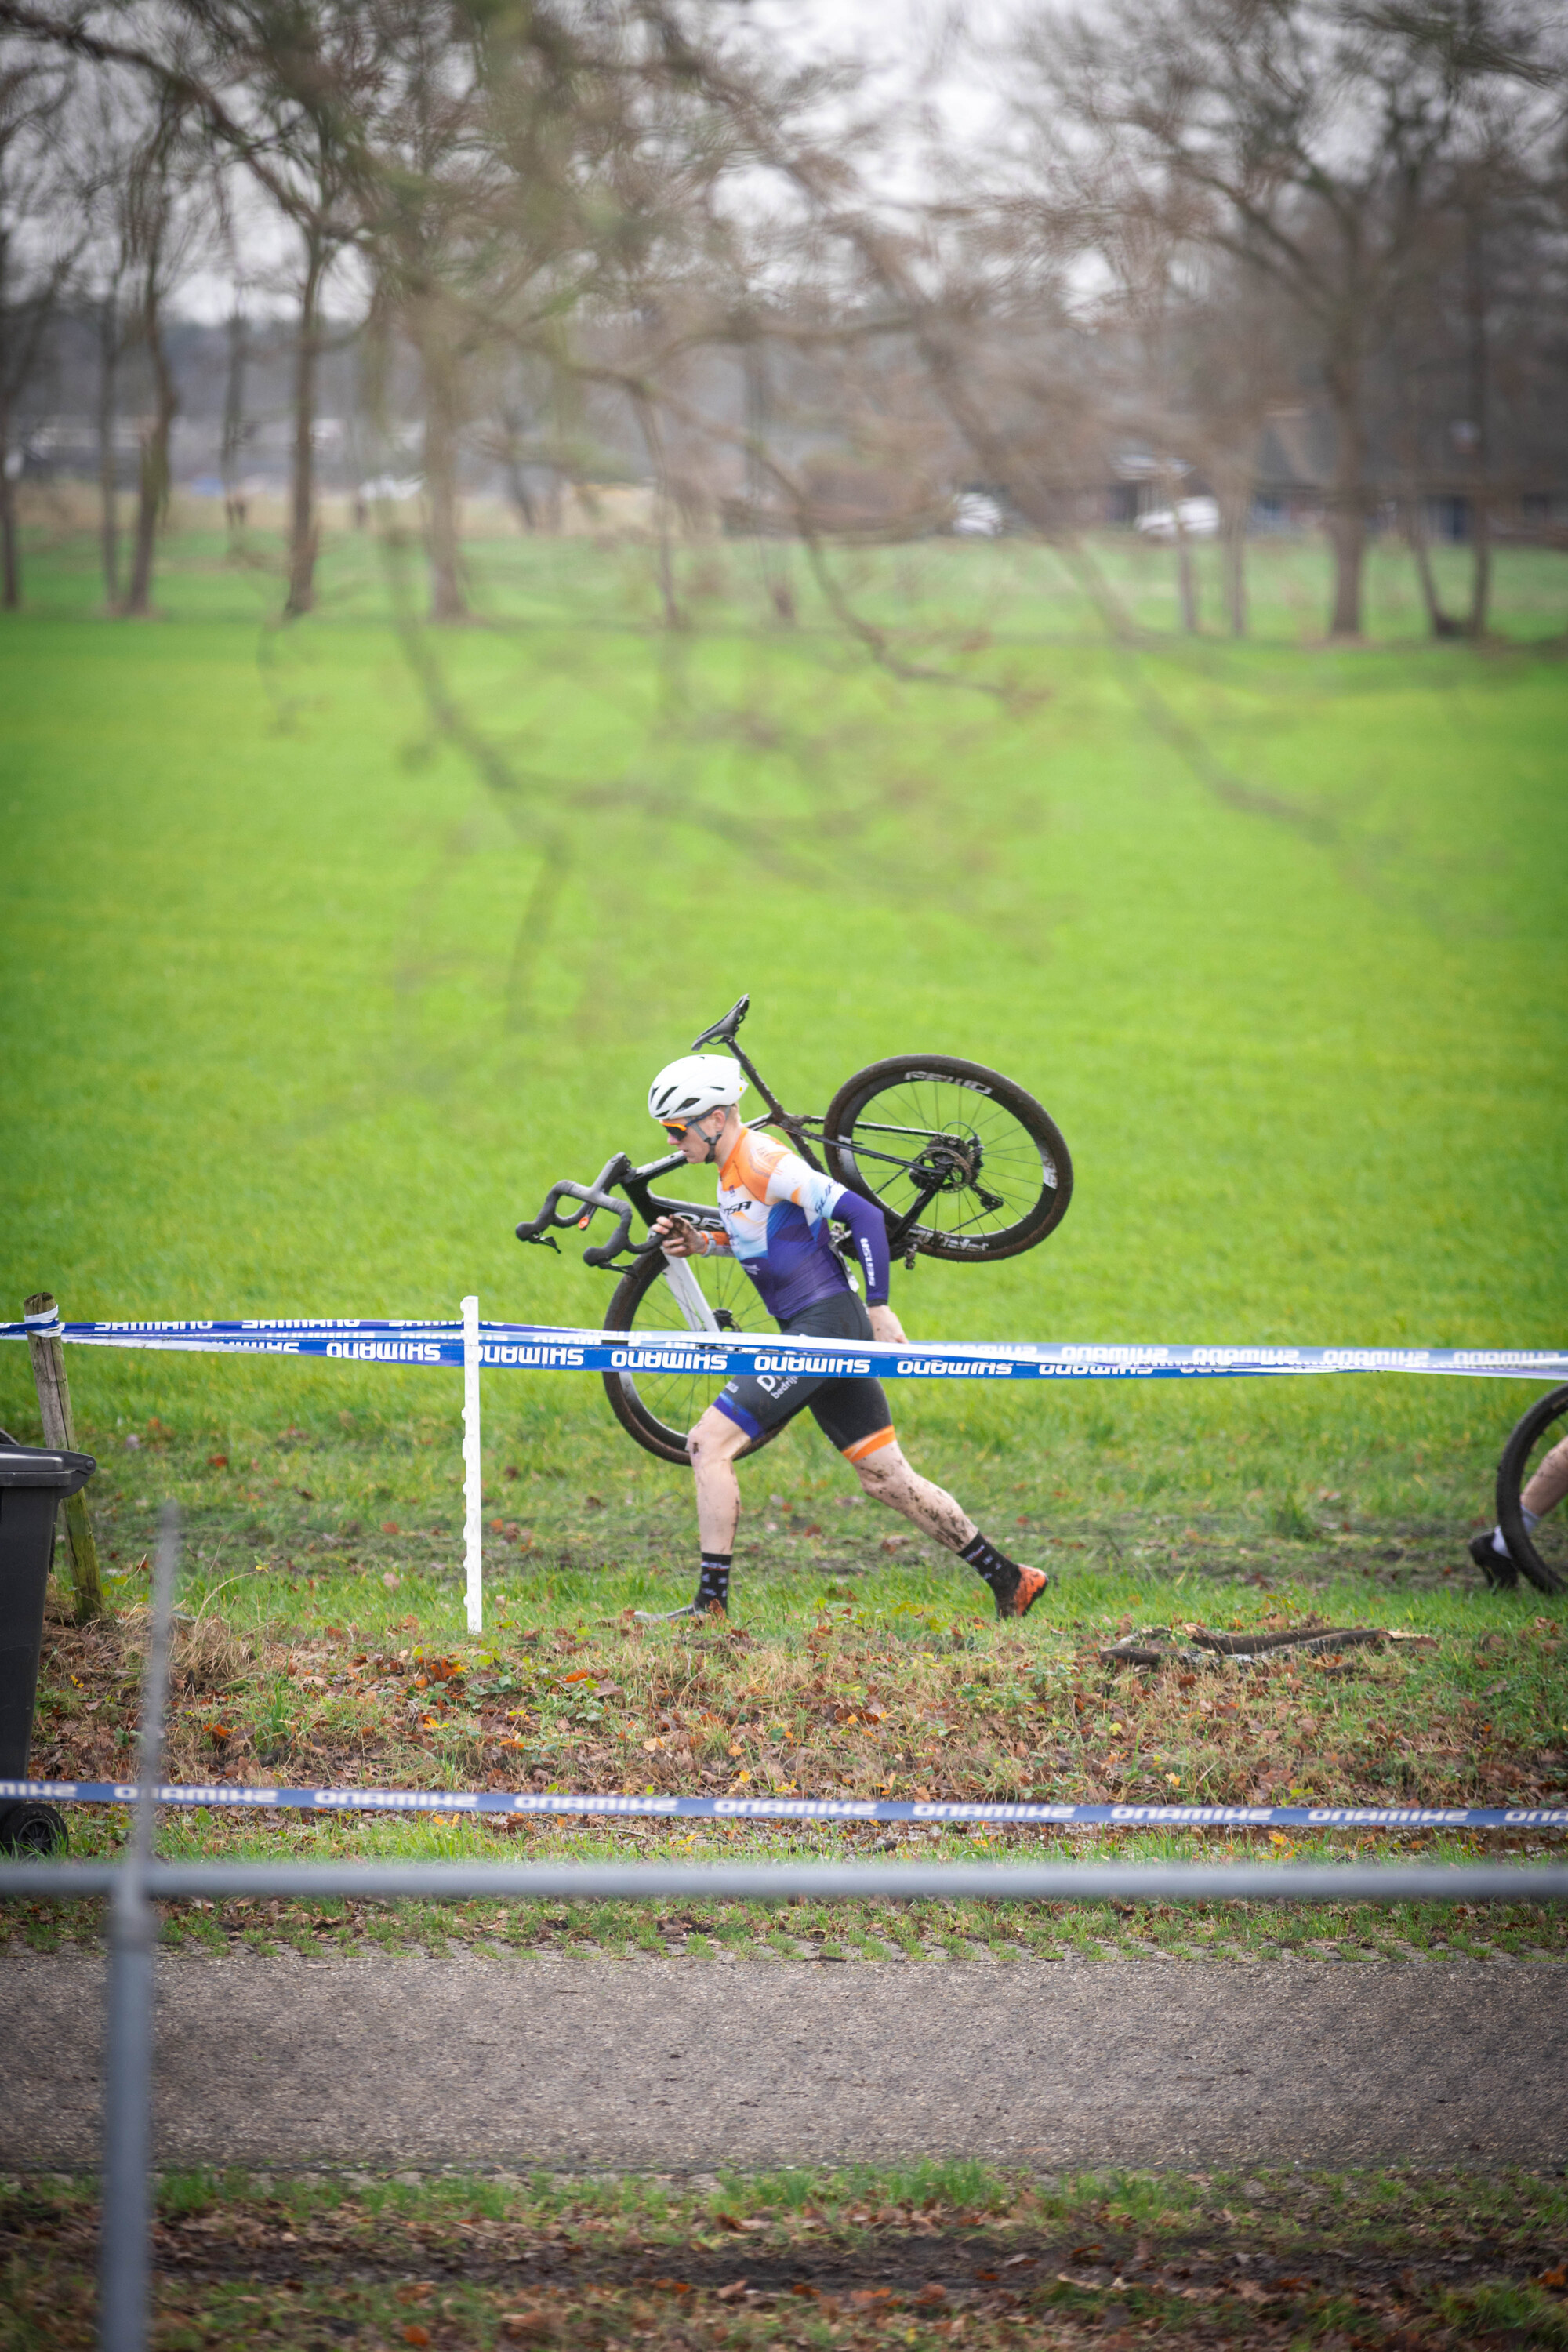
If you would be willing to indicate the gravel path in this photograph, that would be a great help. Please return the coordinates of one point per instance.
(676, 2064)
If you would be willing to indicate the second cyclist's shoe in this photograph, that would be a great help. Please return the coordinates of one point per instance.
(707, 1603)
(1499, 1568)
(1017, 1599)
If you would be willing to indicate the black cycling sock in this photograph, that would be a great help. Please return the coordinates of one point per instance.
(998, 1571)
(713, 1583)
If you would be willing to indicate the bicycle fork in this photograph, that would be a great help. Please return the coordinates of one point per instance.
(699, 1316)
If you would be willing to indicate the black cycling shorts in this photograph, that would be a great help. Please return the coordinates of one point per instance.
(852, 1413)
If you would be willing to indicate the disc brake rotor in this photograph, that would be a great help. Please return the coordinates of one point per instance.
(955, 1161)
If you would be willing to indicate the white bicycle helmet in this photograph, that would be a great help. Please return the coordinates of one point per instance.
(694, 1085)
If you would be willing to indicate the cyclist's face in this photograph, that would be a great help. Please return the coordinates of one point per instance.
(696, 1140)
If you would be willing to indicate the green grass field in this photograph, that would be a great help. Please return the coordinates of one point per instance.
(307, 1002)
(327, 949)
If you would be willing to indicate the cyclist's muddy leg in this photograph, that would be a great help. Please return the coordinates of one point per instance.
(1550, 1483)
(714, 1445)
(889, 1479)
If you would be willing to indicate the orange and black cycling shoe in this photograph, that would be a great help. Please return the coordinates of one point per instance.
(1018, 1598)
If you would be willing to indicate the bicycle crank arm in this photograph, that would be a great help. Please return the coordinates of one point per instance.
(900, 1228)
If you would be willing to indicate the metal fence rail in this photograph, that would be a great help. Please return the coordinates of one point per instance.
(824, 1882)
(137, 1882)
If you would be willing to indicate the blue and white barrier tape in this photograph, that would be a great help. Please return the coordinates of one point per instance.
(227, 1795)
(549, 1347)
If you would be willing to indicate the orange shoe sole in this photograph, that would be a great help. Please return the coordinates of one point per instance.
(1032, 1583)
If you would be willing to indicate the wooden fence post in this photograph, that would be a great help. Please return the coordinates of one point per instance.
(55, 1406)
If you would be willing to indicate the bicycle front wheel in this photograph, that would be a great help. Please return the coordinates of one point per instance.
(989, 1161)
(658, 1408)
(1541, 1556)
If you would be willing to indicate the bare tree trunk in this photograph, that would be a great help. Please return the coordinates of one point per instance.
(152, 483)
(1347, 510)
(1412, 512)
(234, 429)
(1481, 573)
(1233, 562)
(1414, 522)
(442, 544)
(10, 552)
(773, 559)
(648, 424)
(107, 455)
(1186, 584)
(12, 377)
(1347, 530)
(303, 531)
(1480, 414)
(517, 488)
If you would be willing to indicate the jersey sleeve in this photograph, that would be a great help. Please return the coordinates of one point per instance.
(868, 1230)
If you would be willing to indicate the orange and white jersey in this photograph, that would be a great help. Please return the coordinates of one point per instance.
(775, 1210)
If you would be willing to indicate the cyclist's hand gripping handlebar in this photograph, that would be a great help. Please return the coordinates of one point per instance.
(621, 1241)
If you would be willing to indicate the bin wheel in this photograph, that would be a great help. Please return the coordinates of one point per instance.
(32, 1829)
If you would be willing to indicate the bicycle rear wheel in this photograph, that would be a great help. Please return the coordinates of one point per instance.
(1541, 1555)
(1005, 1176)
(658, 1408)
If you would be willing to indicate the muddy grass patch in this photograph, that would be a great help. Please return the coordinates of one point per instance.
(906, 1702)
(922, 2255)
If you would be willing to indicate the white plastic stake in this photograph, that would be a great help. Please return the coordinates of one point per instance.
(473, 1500)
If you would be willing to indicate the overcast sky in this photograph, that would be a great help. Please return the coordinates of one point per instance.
(917, 54)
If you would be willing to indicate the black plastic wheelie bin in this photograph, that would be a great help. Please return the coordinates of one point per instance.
(33, 1480)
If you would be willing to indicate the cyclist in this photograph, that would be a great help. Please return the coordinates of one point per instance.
(775, 1211)
(1542, 1493)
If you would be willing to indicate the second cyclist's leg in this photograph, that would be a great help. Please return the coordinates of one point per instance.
(1544, 1491)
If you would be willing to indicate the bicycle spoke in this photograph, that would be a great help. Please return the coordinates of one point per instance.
(678, 1399)
(942, 1121)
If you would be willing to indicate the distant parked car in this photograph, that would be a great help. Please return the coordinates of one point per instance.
(1199, 520)
(977, 515)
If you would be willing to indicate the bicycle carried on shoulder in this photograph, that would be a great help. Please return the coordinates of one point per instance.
(963, 1164)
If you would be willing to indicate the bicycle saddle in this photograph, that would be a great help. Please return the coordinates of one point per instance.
(725, 1028)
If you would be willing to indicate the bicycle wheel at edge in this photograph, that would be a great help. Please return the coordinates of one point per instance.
(1009, 1173)
(658, 1408)
(1543, 1557)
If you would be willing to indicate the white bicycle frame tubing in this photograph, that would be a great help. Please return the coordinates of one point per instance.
(698, 1315)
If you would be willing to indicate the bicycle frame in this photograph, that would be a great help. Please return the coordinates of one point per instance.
(803, 1130)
